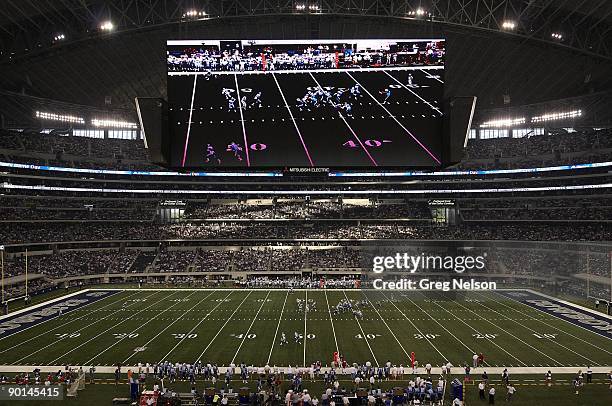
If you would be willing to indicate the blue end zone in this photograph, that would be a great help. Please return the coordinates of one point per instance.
(12, 324)
(597, 323)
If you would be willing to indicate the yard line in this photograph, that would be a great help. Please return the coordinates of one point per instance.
(348, 126)
(472, 328)
(195, 81)
(533, 331)
(293, 119)
(191, 331)
(135, 330)
(546, 324)
(277, 326)
(509, 333)
(250, 326)
(362, 332)
(82, 328)
(305, 315)
(430, 76)
(169, 325)
(397, 121)
(414, 93)
(331, 320)
(241, 107)
(224, 324)
(417, 329)
(389, 328)
(108, 329)
(61, 325)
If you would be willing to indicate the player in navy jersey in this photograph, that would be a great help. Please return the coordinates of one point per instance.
(211, 155)
(236, 149)
(231, 104)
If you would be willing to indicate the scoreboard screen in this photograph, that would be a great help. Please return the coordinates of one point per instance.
(305, 103)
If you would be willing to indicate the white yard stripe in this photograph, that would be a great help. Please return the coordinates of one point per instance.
(534, 331)
(135, 330)
(331, 321)
(362, 332)
(417, 329)
(472, 352)
(293, 120)
(62, 325)
(244, 135)
(250, 326)
(168, 326)
(82, 328)
(108, 329)
(348, 126)
(195, 81)
(55, 300)
(305, 316)
(280, 317)
(385, 323)
(414, 93)
(509, 333)
(164, 358)
(414, 138)
(546, 324)
(220, 329)
(430, 76)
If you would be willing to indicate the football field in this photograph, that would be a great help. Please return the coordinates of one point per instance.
(245, 326)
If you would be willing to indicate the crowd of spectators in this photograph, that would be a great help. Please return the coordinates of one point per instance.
(212, 260)
(269, 58)
(24, 143)
(56, 232)
(593, 209)
(173, 261)
(558, 148)
(72, 263)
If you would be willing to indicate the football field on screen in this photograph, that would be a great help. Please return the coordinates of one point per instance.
(245, 326)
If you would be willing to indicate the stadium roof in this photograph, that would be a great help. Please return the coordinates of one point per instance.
(57, 49)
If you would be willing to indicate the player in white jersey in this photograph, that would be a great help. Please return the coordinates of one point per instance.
(283, 339)
(257, 100)
(410, 79)
(227, 93)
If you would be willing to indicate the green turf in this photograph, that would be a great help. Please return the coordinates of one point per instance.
(220, 326)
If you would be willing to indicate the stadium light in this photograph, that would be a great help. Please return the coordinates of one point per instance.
(504, 122)
(112, 123)
(59, 37)
(557, 36)
(66, 118)
(304, 7)
(419, 12)
(194, 14)
(508, 25)
(557, 116)
(107, 26)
